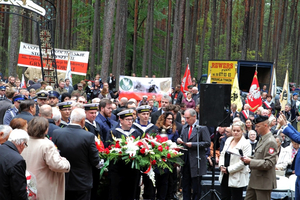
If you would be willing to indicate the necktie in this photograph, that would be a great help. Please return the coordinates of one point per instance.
(190, 132)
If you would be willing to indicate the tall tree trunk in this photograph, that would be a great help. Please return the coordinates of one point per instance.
(245, 31)
(278, 34)
(14, 44)
(116, 40)
(146, 42)
(107, 35)
(168, 39)
(136, 9)
(187, 41)
(95, 35)
(257, 34)
(69, 30)
(4, 44)
(150, 38)
(228, 36)
(268, 35)
(200, 66)
(193, 39)
(213, 29)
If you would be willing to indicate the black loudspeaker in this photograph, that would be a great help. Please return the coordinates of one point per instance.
(215, 105)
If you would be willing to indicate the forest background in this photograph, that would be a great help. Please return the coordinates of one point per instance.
(150, 37)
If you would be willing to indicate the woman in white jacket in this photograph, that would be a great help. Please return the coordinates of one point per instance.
(234, 174)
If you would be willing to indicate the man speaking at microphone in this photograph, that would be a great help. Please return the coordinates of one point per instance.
(188, 137)
(262, 165)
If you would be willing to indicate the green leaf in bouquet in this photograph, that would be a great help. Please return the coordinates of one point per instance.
(104, 168)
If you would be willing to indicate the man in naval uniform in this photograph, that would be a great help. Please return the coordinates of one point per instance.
(13, 111)
(124, 179)
(92, 126)
(42, 97)
(65, 110)
(53, 98)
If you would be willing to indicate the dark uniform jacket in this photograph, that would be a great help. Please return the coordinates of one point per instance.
(24, 115)
(263, 176)
(52, 127)
(150, 128)
(93, 128)
(4, 105)
(12, 173)
(79, 148)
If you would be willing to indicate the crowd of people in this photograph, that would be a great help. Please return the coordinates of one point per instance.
(51, 133)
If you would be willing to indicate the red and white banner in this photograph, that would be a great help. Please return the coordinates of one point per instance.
(29, 56)
(23, 82)
(137, 87)
(186, 80)
(254, 97)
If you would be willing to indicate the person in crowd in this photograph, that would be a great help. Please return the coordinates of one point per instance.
(46, 112)
(68, 86)
(95, 90)
(80, 91)
(42, 98)
(122, 105)
(272, 124)
(244, 114)
(190, 132)
(174, 109)
(166, 128)
(263, 162)
(13, 111)
(196, 95)
(124, 179)
(189, 101)
(284, 156)
(111, 80)
(183, 122)
(264, 96)
(79, 181)
(2, 92)
(26, 110)
(165, 101)
(177, 96)
(13, 181)
(43, 160)
(223, 138)
(38, 86)
(6, 103)
(104, 94)
(104, 121)
(11, 82)
(144, 101)
(155, 103)
(19, 123)
(5, 130)
(32, 93)
(234, 113)
(249, 126)
(53, 98)
(81, 100)
(88, 90)
(269, 104)
(264, 89)
(61, 87)
(252, 135)
(285, 140)
(92, 126)
(231, 166)
(151, 104)
(65, 97)
(56, 116)
(290, 115)
(182, 108)
(65, 110)
(18, 84)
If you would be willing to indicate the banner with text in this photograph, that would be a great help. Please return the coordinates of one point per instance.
(137, 87)
(29, 56)
(222, 72)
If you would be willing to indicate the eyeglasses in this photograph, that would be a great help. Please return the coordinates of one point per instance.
(128, 120)
(26, 145)
(171, 119)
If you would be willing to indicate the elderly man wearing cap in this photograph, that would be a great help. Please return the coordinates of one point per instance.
(92, 126)
(65, 110)
(53, 98)
(2, 92)
(42, 97)
(13, 111)
(124, 179)
(144, 101)
(262, 165)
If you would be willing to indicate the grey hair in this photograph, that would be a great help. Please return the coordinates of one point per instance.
(18, 136)
(56, 114)
(77, 115)
(271, 118)
(236, 119)
(251, 132)
(241, 125)
(5, 129)
(192, 112)
(96, 100)
(165, 96)
(46, 111)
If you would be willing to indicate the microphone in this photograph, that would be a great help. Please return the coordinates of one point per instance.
(241, 152)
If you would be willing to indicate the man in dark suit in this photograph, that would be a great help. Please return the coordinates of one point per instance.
(191, 175)
(244, 114)
(6, 103)
(78, 147)
(262, 165)
(177, 96)
(234, 112)
(27, 110)
(46, 111)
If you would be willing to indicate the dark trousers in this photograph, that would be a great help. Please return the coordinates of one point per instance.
(230, 193)
(162, 185)
(96, 180)
(78, 195)
(189, 183)
(297, 188)
(149, 189)
(172, 183)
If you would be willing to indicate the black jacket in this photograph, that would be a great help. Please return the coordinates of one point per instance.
(178, 99)
(25, 115)
(12, 173)
(78, 147)
(52, 127)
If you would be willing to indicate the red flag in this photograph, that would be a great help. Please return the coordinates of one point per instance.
(254, 98)
(186, 80)
(23, 83)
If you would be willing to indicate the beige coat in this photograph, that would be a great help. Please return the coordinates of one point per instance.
(238, 172)
(43, 160)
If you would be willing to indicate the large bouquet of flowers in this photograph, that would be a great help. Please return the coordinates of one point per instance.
(146, 153)
(31, 186)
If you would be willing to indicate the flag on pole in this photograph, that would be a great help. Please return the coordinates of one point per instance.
(285, 94)
(235, 94)
(69, 72)
(254, 97)
(186, 80)
(23, 83)
(208, 79)
(274, 86)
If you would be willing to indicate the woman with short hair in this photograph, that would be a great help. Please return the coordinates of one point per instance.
(43, 160)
